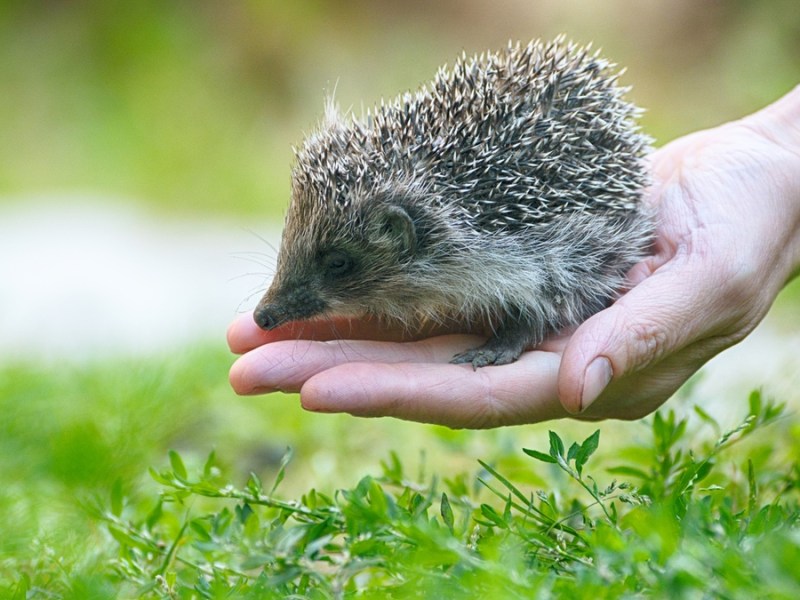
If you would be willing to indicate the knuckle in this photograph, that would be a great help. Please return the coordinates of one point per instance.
(646, 341)
(650, 340)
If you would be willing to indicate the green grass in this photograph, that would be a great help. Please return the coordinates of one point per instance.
(149, 478)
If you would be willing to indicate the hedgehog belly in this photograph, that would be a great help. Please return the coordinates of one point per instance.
(550, 277)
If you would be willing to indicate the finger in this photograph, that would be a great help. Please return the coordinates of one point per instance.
(663, 314)
(637, 396)
(446, 394)
(287, 365)
(244, 335)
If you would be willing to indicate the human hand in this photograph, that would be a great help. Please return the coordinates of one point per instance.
(728, 205)
(379, 372)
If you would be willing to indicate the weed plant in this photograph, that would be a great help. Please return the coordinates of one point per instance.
(676, 505)
(681, 517)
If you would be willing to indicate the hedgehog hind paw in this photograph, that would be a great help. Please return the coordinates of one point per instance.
(484, 356)
(504, 347)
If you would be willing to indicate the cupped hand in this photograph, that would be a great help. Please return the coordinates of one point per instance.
(727, 203)
(410, 379)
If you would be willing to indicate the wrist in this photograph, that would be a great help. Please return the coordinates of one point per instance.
(787, 175)
(779, 123)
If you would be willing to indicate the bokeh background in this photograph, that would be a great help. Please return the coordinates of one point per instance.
(145, 152)
(192, 106)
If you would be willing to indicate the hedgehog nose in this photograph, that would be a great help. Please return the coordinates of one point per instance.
(265, 319)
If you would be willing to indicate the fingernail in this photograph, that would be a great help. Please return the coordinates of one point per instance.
(316, 408)
(595, 379)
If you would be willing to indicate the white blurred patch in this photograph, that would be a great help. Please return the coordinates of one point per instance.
(768, 359)
(80, 279)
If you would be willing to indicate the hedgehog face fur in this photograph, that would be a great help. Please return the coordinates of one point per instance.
(507, 192)
(369, 257)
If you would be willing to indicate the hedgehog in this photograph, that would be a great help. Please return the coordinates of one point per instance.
(505, 195)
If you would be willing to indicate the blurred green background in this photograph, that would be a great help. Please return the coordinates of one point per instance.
(193, 105)
(188, 109)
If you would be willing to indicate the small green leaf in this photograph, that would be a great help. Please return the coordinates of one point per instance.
(310, 498)
(171, 578)
(127, 539)
(254, 485)
(491, 514)
(243, 512)
(755, 402)
(393, 470)
(629, 471)
(658, 425)
(590, 444)
(573, 451)
(178, 467)
(679, 430)
(704, 469)
(447, 512)
(160, 477)
(199, 528)
(377, 498)
(416, 504)
(539, 455)
(208, 468)
(361, 489)
(507, 510)
(587, 448)
(222, 521)
(556, 445)
(287, 457)
(155, 515)
(707, 418)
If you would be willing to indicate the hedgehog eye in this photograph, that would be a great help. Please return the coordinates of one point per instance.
(337, 263)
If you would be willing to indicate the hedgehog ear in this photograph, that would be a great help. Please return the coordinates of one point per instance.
(393, 226)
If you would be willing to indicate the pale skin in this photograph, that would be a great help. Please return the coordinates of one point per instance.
(728, 205)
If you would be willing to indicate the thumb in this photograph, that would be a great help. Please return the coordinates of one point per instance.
(658, 317)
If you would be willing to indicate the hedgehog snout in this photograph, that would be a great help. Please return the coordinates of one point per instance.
(289, 303)
(266, 317)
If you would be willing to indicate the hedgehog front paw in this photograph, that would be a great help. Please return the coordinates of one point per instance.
(485, 356)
